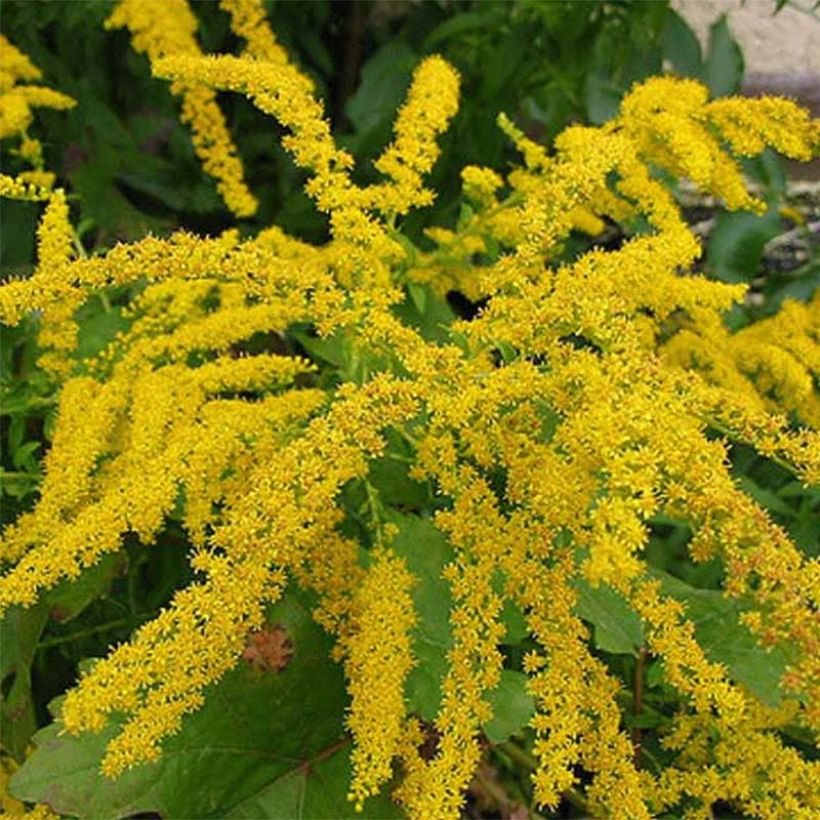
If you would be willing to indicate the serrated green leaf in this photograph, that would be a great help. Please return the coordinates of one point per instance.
(255, 727)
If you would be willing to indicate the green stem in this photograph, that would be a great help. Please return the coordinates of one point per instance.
(78, 244)
(410, 439)
(374, 506)
(637, 702)
(495, 791)
(87, 633)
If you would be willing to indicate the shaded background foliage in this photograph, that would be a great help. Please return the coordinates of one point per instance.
(129, 168)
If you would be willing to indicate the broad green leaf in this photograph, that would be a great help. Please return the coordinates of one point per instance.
(18, 223)
(725, 640)
(799, 284)
(680, 45)
(71, 597)
(20, 633)
(384, 79)
(516, 624)
(256, 727)
(314, 790)
(390, 477)
(513, 706)
(736, 244)
(98, 327)
(418, 294)
(601, 97)
(503, 61)
(617, 628)
(426, 551)
(20, 630)
(767, 169)
(723, 67)
(459, 24)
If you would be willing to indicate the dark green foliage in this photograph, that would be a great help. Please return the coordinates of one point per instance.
(272, 743)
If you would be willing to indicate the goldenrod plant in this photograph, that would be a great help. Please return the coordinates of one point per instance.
(589, 399)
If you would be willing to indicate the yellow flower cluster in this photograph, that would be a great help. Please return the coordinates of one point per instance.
(431, 104)
(55, 235)
(746, 764)
(17, 99)
(249, 22)
(382, 618)
(579, 404)
(771, 365)
(163, 27)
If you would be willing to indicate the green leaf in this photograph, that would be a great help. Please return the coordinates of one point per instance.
(419, 296)
(256, 727)
(617, 628)
(20, 631)
(602, 97)
(18, 485)
(503, 61)
(768, 171)
(328, 349)
(71, 597)
(426, 551)
(432, 320)
(459, 24)
(680, 46)
(516, 624)
(18, 224)
(723, 67)
(385, 77)
(513, 706)
(725, 640)
(98, 327)
(766, 498)
(23, 457)
(390, 476)
(316, 790)
(736, 244)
